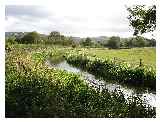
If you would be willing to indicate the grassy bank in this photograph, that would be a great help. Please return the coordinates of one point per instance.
(35, 90)
(140, 76)
(131, 56)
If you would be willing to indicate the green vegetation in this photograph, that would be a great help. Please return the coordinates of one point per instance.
(32, 37)
(55, 38)
(142, 19)
(87, 42)
(113, 71)
(131, 56)
(35, 90)
(127, 43)
(113, 42)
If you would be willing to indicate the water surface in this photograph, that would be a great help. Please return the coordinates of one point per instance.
(147, 96)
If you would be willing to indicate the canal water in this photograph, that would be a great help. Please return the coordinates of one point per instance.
(146, 95)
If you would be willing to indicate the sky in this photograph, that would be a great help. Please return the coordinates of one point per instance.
(81, 18)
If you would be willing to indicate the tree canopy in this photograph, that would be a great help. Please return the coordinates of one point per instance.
(87, 42)
(142, 18)
(31, 37)
(113, 42)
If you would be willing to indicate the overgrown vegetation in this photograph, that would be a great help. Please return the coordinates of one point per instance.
(113, 71)
(55, 38)
(35, 90)
(130, 56)
(142, 18)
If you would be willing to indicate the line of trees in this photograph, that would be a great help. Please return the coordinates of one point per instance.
(56, 38)
(116, 42)
(35, 38)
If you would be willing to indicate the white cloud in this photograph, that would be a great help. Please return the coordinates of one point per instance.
(76, 18)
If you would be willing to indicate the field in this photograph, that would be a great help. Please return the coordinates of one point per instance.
(35, 90)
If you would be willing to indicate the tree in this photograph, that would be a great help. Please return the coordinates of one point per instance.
(139, 42)
(126, 43)
(113, 42)
(87, 42)
(66, 41)
(11, 40)
(151, 42)
(59, 39)
(32, 37)
(54, 36)
(142, 19)
(131, 43)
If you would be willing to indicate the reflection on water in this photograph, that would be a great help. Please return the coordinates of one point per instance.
(100, 84)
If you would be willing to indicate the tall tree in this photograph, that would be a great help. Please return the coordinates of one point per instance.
(54, 36)
(142, 18)
(114, 42)
(139, 42)
(87, 42)
(32, 37)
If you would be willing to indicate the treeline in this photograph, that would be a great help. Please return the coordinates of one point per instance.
(116, 42)
(36, 38)
(56, 38)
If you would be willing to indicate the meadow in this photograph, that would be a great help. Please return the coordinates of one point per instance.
(131, 56)
(35, 90)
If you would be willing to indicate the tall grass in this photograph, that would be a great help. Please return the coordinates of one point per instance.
(109, 70)
(34, 90)
(131, 56)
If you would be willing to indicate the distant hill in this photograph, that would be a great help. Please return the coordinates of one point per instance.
(15, 34)
(101, 39)
(77, 39)
(95, 39)
(19, 34)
